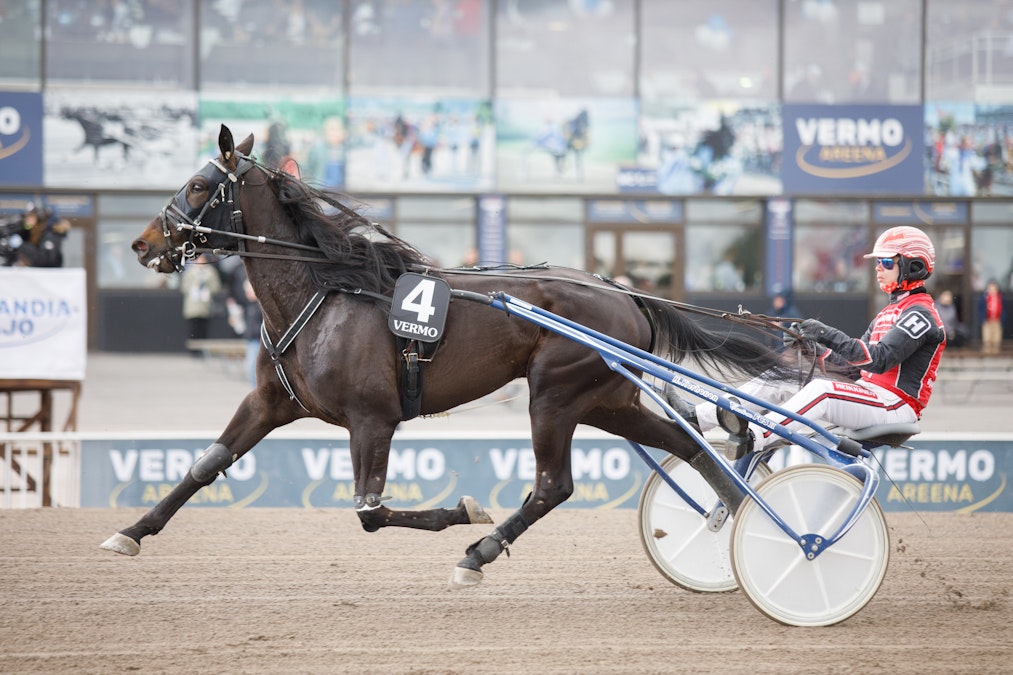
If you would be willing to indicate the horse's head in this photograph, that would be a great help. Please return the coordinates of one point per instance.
(200, 212)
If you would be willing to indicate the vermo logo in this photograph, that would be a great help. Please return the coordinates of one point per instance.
(10, 126)
(850, 148)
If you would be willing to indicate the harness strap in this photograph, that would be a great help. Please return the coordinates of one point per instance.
(286, 340)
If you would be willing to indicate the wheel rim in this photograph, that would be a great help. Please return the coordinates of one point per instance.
(676, 538)
(772, 570)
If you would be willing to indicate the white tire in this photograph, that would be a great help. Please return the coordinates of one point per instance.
(676, 537)
(774, 572)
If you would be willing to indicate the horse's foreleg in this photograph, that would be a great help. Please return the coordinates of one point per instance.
(467, 512)
(256, 416)
(204, 471)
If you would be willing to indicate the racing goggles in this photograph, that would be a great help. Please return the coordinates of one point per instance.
(886, 263)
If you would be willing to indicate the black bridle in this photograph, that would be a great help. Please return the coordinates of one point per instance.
(209, 228)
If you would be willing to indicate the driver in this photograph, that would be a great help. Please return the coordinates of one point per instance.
(897, 356)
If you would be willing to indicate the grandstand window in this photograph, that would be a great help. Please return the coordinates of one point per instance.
(719, 49)
(438, 48)
(852, 51)
(20, 44)
(968, 54)
(282, 43)
(565, 48)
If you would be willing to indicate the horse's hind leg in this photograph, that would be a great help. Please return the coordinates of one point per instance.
(553, 485)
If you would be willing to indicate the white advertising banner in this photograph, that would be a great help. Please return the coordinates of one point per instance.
(43, 324)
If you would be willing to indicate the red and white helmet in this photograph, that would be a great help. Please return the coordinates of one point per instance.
(917, 254)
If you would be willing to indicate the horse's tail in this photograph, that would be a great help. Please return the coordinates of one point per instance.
(719, 350)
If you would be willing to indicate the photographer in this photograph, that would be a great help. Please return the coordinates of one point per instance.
(38, 242)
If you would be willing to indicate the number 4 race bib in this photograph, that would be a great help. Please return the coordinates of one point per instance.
(420, 306)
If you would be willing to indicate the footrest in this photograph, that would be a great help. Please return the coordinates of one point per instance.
(884, 434)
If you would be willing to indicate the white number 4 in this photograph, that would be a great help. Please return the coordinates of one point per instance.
(420, 301)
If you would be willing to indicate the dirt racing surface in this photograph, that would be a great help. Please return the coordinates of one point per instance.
(308, 591)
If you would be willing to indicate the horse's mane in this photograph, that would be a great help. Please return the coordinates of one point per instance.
(344, 237)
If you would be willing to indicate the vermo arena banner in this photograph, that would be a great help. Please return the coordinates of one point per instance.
(938, 475)
(853, 149)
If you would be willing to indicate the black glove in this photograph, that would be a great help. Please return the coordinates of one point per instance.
(811, 329)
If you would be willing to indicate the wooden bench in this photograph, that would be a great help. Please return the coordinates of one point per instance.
(230, 354)
(962, 372)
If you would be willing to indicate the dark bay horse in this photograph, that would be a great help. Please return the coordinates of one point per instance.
(328, 351)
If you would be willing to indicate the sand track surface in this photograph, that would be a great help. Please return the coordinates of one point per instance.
(308, 591)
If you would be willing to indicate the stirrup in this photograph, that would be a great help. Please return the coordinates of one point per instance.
(730, 422)
(742, 444)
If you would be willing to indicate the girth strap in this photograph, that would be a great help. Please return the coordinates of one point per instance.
(286, 340)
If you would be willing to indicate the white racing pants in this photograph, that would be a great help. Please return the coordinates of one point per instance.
(852, 405)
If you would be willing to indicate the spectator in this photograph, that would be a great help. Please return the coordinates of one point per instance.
(956, 334)
(199, 283)
(993, 317)
(42, 239)
(781, 305)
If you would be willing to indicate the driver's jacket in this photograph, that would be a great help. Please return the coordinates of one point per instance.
(900, 350)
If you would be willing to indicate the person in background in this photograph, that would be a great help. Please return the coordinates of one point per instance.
(781, 305)
(956, 334)
(253, 318)
(41, 243)
(199, 283)
(897, 356)
(993, 317)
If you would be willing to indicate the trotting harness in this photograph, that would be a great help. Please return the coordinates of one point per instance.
(177, 214)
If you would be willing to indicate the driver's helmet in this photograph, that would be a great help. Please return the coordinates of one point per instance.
(917, 254)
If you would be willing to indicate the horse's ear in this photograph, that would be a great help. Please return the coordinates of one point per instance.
(225, 143)
(246, 147)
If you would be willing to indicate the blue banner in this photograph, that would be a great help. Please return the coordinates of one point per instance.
(779, 244)
(20, 138)
(853, 149)
(960, 476)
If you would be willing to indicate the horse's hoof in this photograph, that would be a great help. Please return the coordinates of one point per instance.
(465, 578)
(121, 543)
(476, 514)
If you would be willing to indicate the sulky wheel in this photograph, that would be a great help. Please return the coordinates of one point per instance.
(772, 570)
(676, 537)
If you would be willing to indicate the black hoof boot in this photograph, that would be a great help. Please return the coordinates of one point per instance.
(686, 410)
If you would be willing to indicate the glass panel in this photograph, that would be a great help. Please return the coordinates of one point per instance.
(439, 209)
(564, 210)
(647, 261)
(533, 243)
(288, 43)
(20, 50)
(121, 219)
(852, 51)
(147, 42)
(828, 258)
(967, 52)
(723, 257)
(604, 245)
(436, 48)
(991, 257)
(565, 48)
(998, 212)
(450, 245)
(809, 211)
(716, 49)
(726, 211)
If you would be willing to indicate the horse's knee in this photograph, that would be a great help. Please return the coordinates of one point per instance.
(215, 459)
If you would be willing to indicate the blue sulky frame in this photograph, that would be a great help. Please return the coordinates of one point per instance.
(623, 359)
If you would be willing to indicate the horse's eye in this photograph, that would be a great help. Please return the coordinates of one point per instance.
(196, 188)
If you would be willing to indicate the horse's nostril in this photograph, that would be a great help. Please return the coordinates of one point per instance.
(139, 246)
